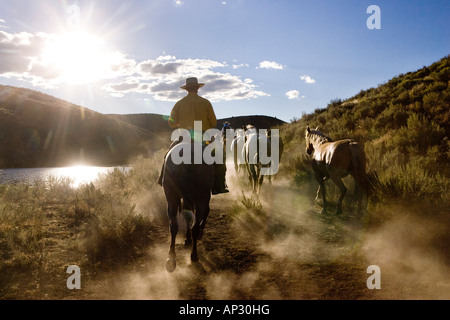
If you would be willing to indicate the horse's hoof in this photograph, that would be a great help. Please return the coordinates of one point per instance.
(187, 243)
(171, 265)
(198, 267)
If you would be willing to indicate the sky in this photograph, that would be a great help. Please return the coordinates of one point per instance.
(279, 58)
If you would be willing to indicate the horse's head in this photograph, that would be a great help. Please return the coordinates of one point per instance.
(314, 138)
(309, 144)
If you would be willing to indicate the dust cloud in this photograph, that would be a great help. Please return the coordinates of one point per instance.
(285, 249)
(411, 256)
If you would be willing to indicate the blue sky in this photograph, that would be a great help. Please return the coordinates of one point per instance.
(278, 58)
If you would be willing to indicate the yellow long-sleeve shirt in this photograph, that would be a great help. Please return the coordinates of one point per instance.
(193, 108)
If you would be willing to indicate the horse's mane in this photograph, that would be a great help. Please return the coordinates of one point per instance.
(318, 137)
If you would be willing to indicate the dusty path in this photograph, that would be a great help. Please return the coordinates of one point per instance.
(286, 250)
(283, 250)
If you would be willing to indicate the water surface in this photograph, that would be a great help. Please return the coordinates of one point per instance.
(78, 174)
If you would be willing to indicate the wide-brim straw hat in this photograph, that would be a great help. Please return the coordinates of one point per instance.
(192, 82)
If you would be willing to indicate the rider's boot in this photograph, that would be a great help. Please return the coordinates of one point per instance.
(220, 184)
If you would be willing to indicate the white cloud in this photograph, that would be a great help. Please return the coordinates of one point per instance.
(44, 60)
(178, 3)
(237, 66)
(2, 24)
(25, 56)
(293, 94)
(18, 51)
(307, 79)
(162, 78)
(270, 65)
(165, 58)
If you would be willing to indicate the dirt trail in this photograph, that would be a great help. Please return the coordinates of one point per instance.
(284, 250)
(287, 250)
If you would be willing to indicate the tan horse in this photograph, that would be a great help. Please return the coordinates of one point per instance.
(335, 160)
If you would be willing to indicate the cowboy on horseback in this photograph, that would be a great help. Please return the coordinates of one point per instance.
(188, 110)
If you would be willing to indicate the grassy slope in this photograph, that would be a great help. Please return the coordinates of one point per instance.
(404, 126)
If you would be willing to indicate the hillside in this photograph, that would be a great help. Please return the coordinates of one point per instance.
(38, 130)
(404, 125)
(157, 124)
(261, 122)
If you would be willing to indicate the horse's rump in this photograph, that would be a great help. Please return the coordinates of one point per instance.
(359, 166)
(334, 153)
(187, 179)
(191, 183)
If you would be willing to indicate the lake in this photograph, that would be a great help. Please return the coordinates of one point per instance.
(77, 174)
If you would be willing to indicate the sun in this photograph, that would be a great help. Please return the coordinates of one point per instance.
(77, 57)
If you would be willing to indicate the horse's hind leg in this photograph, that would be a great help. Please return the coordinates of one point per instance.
(254, 179)
(260, 181)
(201, 214)
(343, 191)
(188, 217)
(172, 213)
(319, 193)
(188, 214)
(320, 179)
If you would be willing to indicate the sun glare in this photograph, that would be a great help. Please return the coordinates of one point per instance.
(78, 57)
(79, 174)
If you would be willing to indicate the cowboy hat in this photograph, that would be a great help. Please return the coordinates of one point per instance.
(192, 82)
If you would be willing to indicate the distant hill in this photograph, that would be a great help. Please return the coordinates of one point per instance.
(154, 125)
(260, 122)
(38, 130)
(157, 124)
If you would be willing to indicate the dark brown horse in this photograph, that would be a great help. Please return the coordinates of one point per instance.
(335, 160)
(188, 190)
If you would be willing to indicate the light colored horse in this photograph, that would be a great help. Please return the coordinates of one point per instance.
(335, 160)
(238, 151)
(253, 141)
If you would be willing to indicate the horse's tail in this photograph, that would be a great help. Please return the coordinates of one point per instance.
(359, 167)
